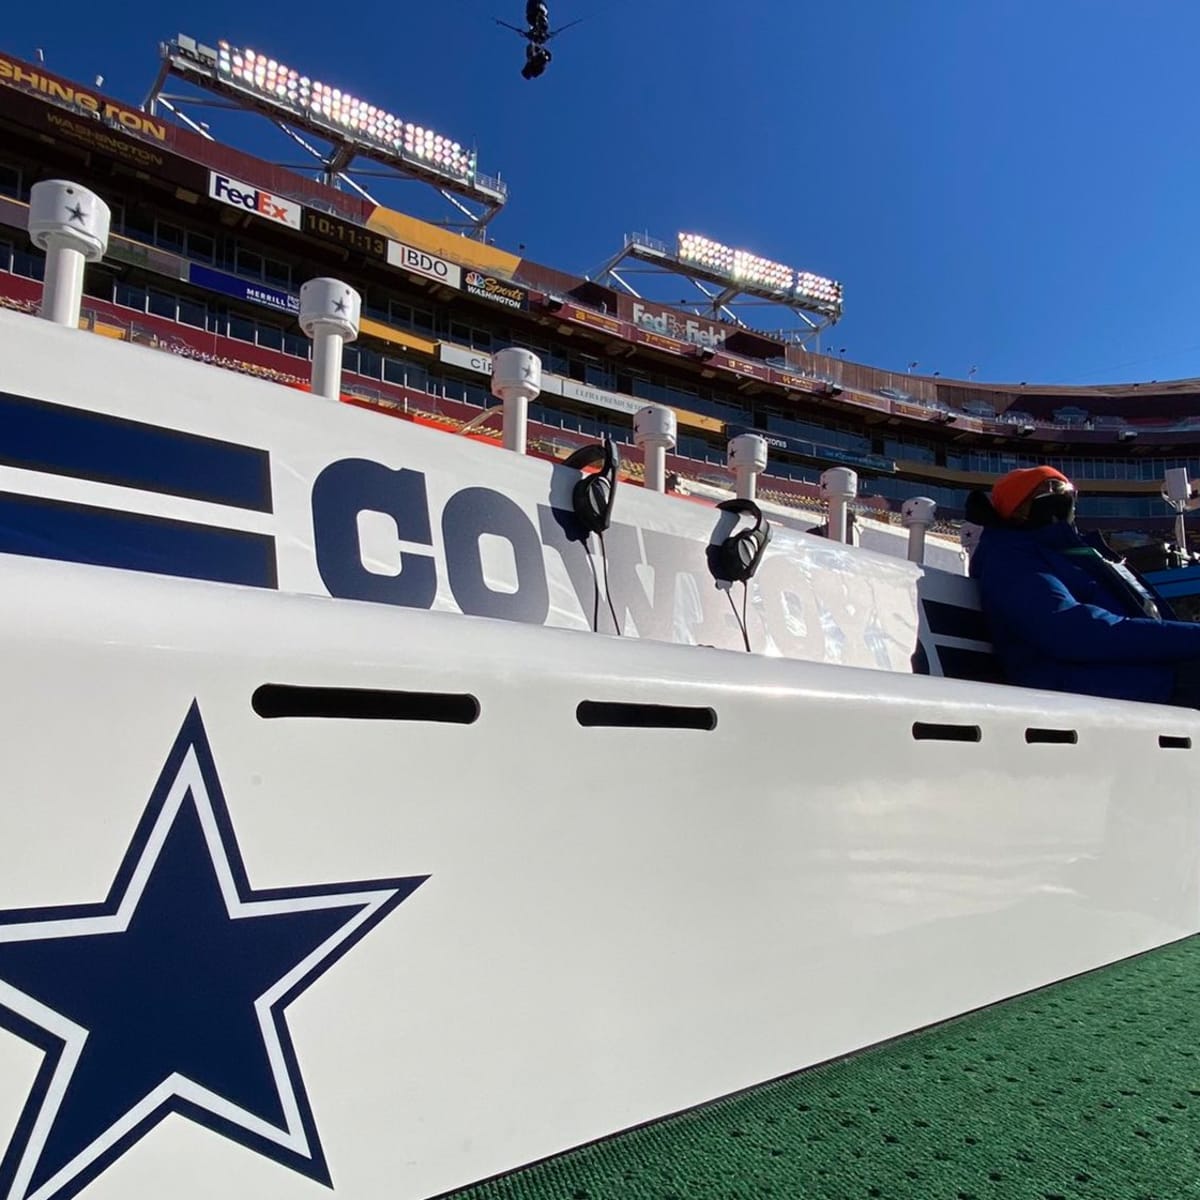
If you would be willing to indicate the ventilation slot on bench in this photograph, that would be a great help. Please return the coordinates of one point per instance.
(362, 704)
(1051, 737)
(925, 731)
(1166, 742)
(644, 716)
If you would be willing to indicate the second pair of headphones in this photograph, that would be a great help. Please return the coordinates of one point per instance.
(594, 494)
(736, 559)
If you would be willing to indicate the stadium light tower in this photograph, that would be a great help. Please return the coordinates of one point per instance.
(302, 107)
(727, 277)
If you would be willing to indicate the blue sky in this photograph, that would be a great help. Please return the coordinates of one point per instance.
(1009, 184)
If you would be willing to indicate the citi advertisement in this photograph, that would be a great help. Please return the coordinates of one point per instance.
(421, 262)
(498, 291)
(237, 194)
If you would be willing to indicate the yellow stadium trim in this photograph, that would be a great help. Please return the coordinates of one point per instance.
(385, 333)
(437, 241)
(696, 421)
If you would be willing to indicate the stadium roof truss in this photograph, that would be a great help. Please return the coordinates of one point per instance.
(722, 296)
(476, 198)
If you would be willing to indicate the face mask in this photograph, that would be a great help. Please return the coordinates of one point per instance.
(1048, 510)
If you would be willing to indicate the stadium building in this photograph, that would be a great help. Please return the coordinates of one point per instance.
(211, 245)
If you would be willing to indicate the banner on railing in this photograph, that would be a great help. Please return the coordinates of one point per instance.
(243, 289)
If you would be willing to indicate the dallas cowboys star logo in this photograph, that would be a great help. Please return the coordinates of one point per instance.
(76, 213)
(339, 306)
(169, 995)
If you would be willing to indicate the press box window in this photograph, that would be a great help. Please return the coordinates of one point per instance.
(201, 247)
(169, 237)
(193, 312)
(241, 328)
(271, 337)
(10, 181)
(129, 295)
(296, 344)
(249, 263)
(32, 266)
(162, 304)
(277, 273)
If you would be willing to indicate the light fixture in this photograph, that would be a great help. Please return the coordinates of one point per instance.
(341, 111)
(750, 268)
(761, 275)
(825, 295)
(704, 252)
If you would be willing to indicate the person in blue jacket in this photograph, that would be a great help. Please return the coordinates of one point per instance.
(1064, 612)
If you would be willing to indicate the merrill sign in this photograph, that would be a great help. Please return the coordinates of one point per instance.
(242, 195)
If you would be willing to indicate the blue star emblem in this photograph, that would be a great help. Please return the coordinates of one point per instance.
(169, 995)
(339, 306)
(76, 213)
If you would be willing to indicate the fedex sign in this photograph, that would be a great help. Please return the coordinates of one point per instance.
(676, 325)
(241, 195)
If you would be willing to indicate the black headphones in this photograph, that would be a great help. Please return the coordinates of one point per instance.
(736, 559)
(594, 494)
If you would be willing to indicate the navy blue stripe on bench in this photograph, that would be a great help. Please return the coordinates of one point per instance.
(954, 620)
(58, 440)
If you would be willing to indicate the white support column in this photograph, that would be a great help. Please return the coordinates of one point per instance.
(654, 430)
(329, 314)
(916, 515)
(516, 379)
(839, 485)
(747, 459)
(70, 224)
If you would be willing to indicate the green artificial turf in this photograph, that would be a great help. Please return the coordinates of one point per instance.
(1086, 1089)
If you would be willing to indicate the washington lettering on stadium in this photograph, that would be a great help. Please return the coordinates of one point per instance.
(27, 79)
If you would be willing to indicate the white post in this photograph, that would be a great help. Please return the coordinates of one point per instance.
(516, 379)
(916, 515)
(329, 313)
(839, 485)
(1178, 492)
(747, 459)
(654, 429)
(70, 224)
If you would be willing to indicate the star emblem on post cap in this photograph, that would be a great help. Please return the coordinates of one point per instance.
(339, 306)
(76, 213)
(169, 995)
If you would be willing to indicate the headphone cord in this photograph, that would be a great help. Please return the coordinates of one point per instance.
(740, 619)
(607, 589)
(595, 588)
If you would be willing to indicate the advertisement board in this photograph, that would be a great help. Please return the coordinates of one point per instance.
(683, 327)
(420, 262)
(798, 383)
(243, 289)
(499, 291)
(595, 320)
(254, 200)
(656, 341)
(600, 398)
(743, 366)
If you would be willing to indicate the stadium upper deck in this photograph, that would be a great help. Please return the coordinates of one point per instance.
(213, 244)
